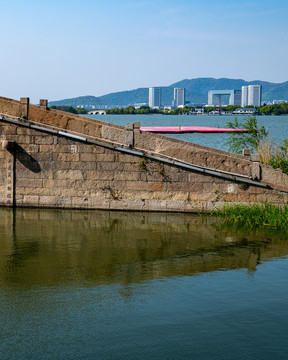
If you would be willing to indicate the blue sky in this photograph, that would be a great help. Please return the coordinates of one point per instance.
(60, 49)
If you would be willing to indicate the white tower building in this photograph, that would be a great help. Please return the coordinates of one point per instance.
(244, 97)
(251, 95)
(154, 97)
(179, 97)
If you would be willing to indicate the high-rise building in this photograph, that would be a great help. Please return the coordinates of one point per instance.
(251, 95)
(244, 99)
(218, 97)
(154, 97)
(179, 97)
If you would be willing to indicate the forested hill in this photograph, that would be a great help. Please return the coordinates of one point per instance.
(196, 93)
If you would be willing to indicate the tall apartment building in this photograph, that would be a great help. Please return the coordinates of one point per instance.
(251, 95)
(154, 97)
(179, 97)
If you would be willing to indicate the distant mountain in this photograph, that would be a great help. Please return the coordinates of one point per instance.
(196, 93)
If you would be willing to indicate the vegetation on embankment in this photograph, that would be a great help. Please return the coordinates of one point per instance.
(257, 141)
(70, 109)
(255, 216)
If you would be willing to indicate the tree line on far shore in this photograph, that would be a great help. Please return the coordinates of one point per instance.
(70, 109)
(275, 109)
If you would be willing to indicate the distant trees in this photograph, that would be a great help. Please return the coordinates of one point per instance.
(276, 109)
(132, 110)
(147, 110)
(70, 109)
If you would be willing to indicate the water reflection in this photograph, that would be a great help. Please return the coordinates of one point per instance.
(53, 247)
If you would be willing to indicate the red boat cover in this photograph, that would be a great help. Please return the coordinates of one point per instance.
(188, 129)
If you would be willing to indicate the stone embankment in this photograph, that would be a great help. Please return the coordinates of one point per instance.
(49, 158)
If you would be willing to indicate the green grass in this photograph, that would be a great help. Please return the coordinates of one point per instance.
(255, 216)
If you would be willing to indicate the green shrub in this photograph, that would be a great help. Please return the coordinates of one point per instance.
(257, 141)
(255, 216)
(238, 141)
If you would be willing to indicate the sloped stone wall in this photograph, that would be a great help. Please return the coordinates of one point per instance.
(53, 171)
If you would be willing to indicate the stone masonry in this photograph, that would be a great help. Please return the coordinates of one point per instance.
(39, 169)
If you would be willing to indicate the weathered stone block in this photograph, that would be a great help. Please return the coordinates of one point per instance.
(127, 167)
(31, 149)
(99, 175)
(24, 131)
(67, 157)
(44, 140)
(32, 183)
(129, 158)
(33, 191)
(88, 157)
(255, 157)
(176, 205)
(157, 205)
(25, 139)
(23, 172)
(30, 200)
(48, 201)
(109, 166)
(42, 157)
(24, 100)
(98, 203)
(256, 171)
(69, 174)
(106, 157)
(61, 140)
(124, 176)
(88, 148)
(81, 202)
(43, 103)
(171, 196)
(139, 185)
(64, 201)
(113, 133)
(24, 107)
(193, 187)
(142, 194)
(9, 130)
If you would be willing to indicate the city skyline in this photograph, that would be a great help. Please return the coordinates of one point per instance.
(167, 96)
(155, 97)
(249, 95)
(68, 49)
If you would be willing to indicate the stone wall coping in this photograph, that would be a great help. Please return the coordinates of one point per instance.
(156, 136)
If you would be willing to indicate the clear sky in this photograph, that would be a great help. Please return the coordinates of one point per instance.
(59, 49)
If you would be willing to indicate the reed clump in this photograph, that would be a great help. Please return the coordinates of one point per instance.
(255, 216)
(274, 154)
(257, 140)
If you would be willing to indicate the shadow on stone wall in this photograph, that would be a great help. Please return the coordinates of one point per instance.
(24, 158)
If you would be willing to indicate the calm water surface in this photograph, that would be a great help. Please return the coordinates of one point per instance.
(277, 126)
(114, 285)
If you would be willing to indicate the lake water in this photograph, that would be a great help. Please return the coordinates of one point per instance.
(276, 125)
(119, 285)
